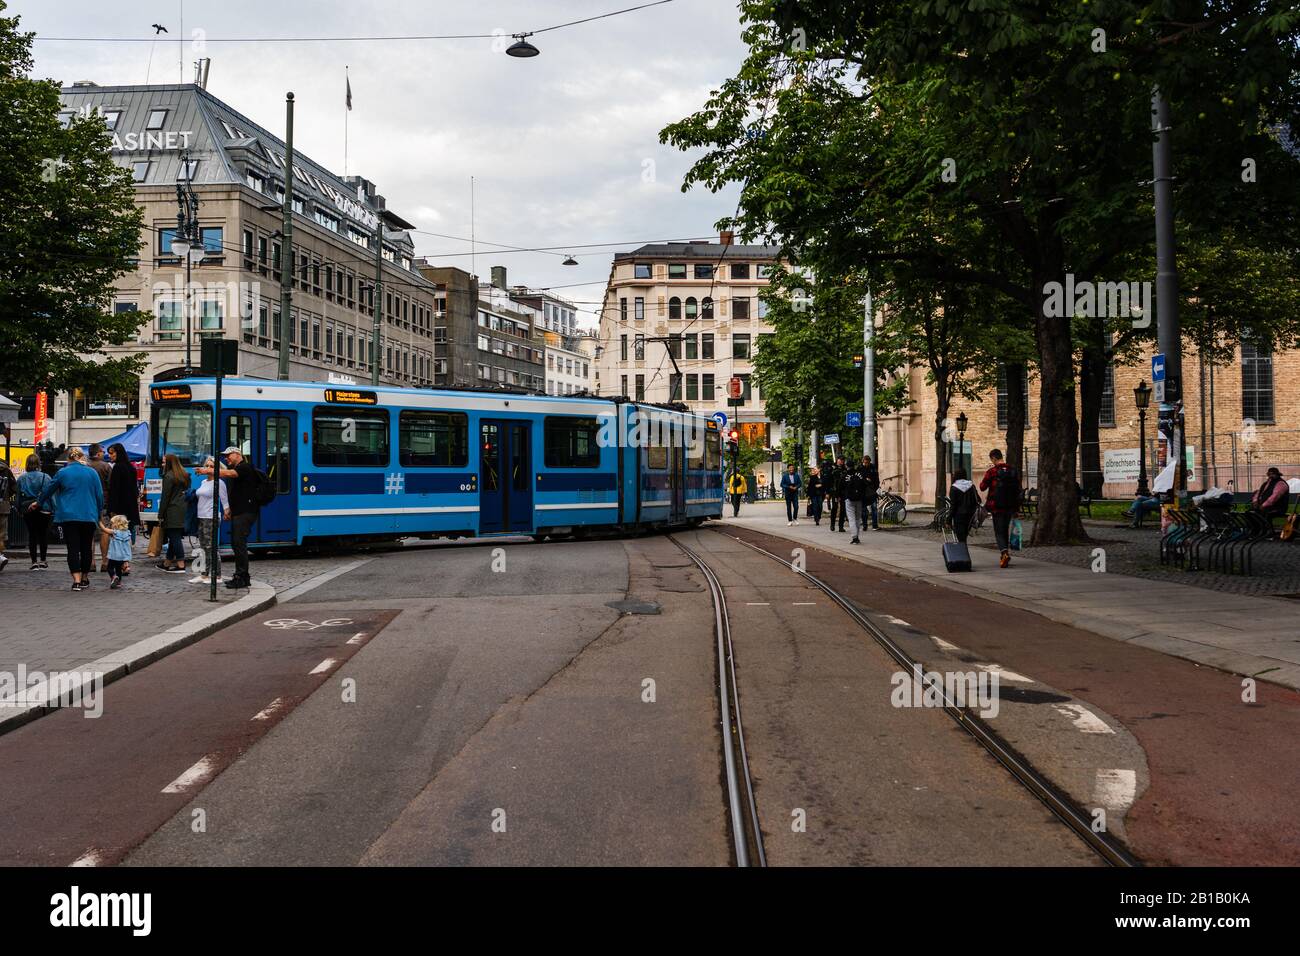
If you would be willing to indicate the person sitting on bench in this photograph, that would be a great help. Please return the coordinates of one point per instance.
(1271, 498)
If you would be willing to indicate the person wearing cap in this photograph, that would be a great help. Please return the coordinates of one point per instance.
(241, 483)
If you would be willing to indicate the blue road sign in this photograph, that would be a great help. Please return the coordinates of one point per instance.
(853, 419)
(1157, 368)
(720, 418)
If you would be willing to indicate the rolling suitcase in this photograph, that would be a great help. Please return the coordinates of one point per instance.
(956, 555)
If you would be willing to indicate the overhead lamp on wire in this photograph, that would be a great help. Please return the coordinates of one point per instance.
(521, 47)
(569, 261)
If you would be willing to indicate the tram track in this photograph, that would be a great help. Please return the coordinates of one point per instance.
(1061, 806)
(747, 835)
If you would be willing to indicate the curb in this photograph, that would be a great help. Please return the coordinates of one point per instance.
(144, 652)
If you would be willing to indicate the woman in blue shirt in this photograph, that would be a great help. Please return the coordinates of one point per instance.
(30, 485)
(78, 503)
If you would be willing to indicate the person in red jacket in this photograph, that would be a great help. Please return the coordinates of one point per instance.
(1002, 483)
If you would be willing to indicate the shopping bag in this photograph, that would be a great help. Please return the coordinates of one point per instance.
(1017, 531)
(155, 542)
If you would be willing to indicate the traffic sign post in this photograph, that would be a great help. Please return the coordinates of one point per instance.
(720, 418)
(833, 439)
(1158, 377)
(853, 420)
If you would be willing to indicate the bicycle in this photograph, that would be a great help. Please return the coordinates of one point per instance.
(892, 507)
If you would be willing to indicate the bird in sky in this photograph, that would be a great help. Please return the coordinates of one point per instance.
(158, 28)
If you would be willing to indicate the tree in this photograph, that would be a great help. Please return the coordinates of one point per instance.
(70, 227)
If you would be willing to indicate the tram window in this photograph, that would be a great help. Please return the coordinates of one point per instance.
(656, 456)
(356, 437)
(433, 439)
(572, 443)
(712, 452)
(695, 451)
(278, 438)
(185, 432)
(239, 432)
(489, 454)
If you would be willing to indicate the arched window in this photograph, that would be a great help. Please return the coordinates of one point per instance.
(706, 308)
(691, 309)
(674, 308)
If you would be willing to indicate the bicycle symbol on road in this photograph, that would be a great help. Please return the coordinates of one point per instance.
(294, 624)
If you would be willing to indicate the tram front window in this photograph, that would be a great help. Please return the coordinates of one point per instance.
(184, 431)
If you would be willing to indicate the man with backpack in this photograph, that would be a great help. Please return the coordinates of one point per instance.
(249, 489)
(1002, 482)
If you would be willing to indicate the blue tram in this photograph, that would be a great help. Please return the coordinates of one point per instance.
(357, 464)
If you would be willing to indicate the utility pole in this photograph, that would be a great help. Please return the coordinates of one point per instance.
(378, 311)
(868, 382)
(1168, 331)
(188, 238)
(287, 260)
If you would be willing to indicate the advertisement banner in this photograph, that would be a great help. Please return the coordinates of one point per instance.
(42, 419)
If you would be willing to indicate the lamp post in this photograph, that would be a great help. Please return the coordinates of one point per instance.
(189, 241)
(1142, 398)
(962, 422)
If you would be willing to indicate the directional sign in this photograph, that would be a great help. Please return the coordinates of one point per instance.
(832, 439)
(1158, 391)
(853, 420)
(720, 418)
(1157, 368)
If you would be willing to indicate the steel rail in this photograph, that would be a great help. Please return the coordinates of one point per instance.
(1078, 820)
(744, 824)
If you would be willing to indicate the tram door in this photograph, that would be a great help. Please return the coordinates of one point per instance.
(677, 480)
(266, 439)
(505, 476)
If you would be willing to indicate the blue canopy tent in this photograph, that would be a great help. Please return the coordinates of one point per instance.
(135, 440)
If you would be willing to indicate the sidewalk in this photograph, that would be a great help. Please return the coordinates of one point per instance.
(48, 627)
(1253, 636)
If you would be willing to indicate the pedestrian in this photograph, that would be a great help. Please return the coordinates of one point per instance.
(50, 457)
(1271, 498)
(242, 490)
(840, 489)
(124, 494)
(791, 482)
(119, 548)
(95, 458)
(855, 494)
(31, 484)
(871, 488)
(816, 494)
(207, 527)
(171, 513)
(78, 503)
(736, 487)
(964, 502)
(1002, 482)
(8, 488)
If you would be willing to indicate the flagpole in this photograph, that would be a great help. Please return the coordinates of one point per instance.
(347, 108)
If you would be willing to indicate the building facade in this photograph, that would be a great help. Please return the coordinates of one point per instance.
(182, 135)
(697, 303)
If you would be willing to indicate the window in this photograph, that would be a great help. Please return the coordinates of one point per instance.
(571, 442)
(677, 270)
(255, 181)
(639, 271)
(706, 387)
(349, 437)
(712, 451)
(640, 388)
(706, 346)
(638, 351)
(188, 171)
(261, 251)
(275, 256)
(692, 346)
(1106, 419)
(703, 270)
(140, 170)
(433, 439)
(638, 309)
(656, 456)
(622, 310)
(674, 387)
(156, 119)
(764, 272)
(740, 308)
(1257, 381)
(622, 385)
(212, 237)
(692, 309)
(674, 308)
(706, 307)
(106, 406)
(248, 244)
(1002, 397)
(740, 270)
(740, 346)
(744, 388)
(762, 307)
(692, 388)
(622, 348)
(278, 440)
(210, 317)
(169, 321)
(110, 118)
(184, 431)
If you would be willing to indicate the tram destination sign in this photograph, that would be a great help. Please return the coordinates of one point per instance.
(350, 396)
(163, 394)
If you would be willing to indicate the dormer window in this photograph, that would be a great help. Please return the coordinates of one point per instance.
(156, 119)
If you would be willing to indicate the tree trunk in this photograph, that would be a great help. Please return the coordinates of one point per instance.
(1058, 428)
(1092, 380)
(940, 457)
(1016, 417)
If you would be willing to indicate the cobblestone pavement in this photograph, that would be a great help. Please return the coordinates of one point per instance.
(48, 626)
(1135, 552)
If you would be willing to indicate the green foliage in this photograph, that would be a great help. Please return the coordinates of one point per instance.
(70, 227)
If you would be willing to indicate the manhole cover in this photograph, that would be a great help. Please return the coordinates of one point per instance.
(637, 607)
(1021, 696)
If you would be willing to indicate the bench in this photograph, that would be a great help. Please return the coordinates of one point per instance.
(1029, 502)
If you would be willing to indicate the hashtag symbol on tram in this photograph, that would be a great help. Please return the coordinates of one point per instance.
(394, 483)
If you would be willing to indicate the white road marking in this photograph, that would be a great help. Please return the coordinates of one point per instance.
(944, 645)
(1084, 719)
(804, 603)
(89, 858)
(896, 620)
(1005, 674)
(757, 603)
(356, 638)
(201, 772)
(1115, 789)
(323, 666)
(269, 709)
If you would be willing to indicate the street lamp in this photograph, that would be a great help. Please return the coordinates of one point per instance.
(962, 422)
(1142, 398)
(522, 47)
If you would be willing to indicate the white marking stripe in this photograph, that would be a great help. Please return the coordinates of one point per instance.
(1005, 674)
(324, 665)
(269, 709)
(1084, 719)
(328, 512)
(200, 773)
(1115, 789)
(804, 603)
(896, 620)
(575, 507)
(356, 638)
(89, 858)
(944, 645)
(757, 603)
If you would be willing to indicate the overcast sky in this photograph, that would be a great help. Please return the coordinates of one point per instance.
(558, 144)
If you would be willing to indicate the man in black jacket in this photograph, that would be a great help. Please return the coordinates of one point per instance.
(241, 487)
(839, 488)
(871, 485)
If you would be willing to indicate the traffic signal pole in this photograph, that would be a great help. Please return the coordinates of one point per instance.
(1168, 330)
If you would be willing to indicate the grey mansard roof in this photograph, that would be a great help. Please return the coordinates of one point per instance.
(699, 250)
